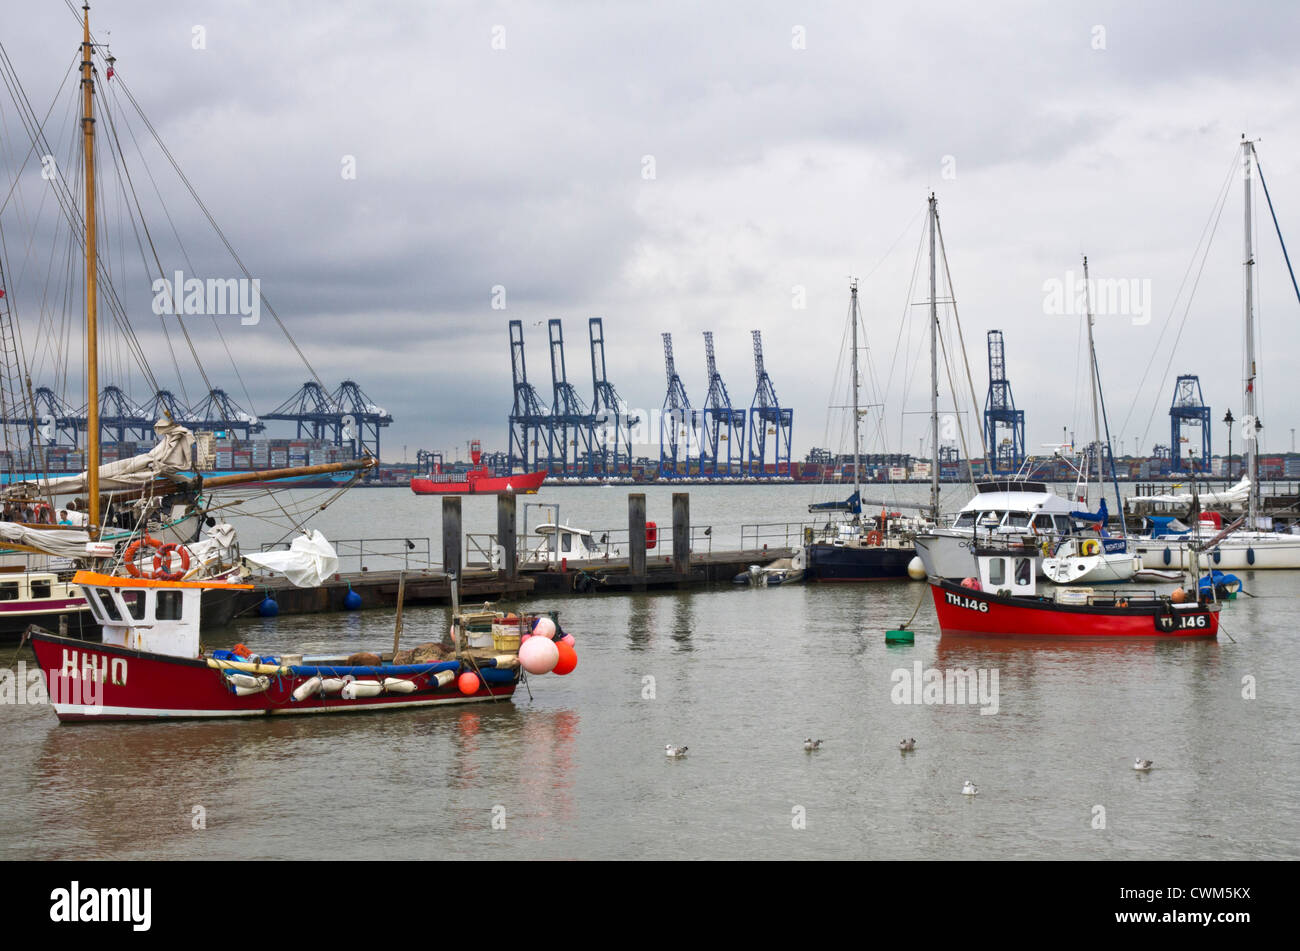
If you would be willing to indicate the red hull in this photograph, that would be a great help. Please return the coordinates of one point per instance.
(112, 683)
(481, 482)
(968, 613)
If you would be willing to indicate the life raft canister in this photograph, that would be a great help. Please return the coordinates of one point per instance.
(651, 535)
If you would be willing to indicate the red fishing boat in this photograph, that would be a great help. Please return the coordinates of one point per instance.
(149, 664)
(1004, 602)
(479, 480)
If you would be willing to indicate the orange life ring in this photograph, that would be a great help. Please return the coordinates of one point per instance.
(164, 557)
(874, 538)
(128, 558)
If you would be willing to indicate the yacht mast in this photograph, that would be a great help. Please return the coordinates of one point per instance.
(857, 449)
(934, 374)
(1252, 427)
(92, 334)
(1092, 380)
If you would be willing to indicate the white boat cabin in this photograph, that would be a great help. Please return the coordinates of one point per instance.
(157, 617)
(1007, 507)
(1008, 572)
(563, 542)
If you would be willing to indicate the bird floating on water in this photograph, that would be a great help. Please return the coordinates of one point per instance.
(1142, 764)
(970, 789)
(906, 746)
(810, 744)
(674, 751)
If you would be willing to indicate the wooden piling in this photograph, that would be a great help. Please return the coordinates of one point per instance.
(506, 533)
(636, 534)
(681, 532)
(451, 538)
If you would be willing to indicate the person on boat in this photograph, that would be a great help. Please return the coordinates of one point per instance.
(63, 518)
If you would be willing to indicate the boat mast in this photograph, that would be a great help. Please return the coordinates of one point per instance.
(1252, 457)
(92, 335)
(857, 448)
(1092, 380)
(934, 375)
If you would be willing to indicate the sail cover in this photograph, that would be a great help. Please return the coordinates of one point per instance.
(1236, 495)
(172, 453)
(69, 543)
(308, 562)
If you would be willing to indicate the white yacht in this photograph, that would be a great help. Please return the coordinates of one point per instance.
(1002, 510)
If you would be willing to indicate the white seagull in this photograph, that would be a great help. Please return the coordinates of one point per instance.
(674, 751)
(906, 746)
(1141, 764)
(810, 744)
(970, 789)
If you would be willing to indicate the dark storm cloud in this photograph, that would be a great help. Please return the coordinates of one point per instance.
(775, 167)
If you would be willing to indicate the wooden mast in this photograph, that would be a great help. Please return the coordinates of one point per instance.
(92, 264)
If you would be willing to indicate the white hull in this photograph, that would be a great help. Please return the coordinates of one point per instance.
(1092, 569)
(1242, 551)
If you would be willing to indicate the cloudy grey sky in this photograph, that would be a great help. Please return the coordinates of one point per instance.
(793, 146)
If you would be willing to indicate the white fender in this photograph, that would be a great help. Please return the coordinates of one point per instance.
(397, 685)
(259, 684)
(308, 688)
(332, 685)
(443, 677)
(359, 689)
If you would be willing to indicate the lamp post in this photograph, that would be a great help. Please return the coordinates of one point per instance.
(1228, 421)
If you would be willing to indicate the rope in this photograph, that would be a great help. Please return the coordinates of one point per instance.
(915, 610)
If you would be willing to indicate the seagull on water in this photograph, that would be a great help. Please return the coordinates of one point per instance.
(674, 751)
(970, 789)
(1141, 764)
(810, 744)
(906, 746)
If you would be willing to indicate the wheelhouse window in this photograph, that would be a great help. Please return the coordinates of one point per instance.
(1024, 571)
(1043, 522)
(1062, 524)
(106, 603)
(567, 544)
(40, 588)
(169, 606)
(1017, 520)
(9, 591)
(134, 603)
(997, 571)
(964, 520)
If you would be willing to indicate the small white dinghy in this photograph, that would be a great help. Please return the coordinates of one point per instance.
(1086, 561)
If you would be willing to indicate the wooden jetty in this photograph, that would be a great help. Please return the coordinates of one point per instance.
(639, 571)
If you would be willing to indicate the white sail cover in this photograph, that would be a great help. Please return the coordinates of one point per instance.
(169, 456)
(308, 562)
(67, 542)
(1236, 495)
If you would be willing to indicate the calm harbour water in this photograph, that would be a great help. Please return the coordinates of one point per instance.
(577, 770)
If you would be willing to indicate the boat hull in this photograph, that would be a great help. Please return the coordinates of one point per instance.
(1092, 569)
(828, 562)
(1241, 551)
(964, 612)
(99, 682)
(526, 483)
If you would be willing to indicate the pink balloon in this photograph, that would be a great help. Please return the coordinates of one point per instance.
(539, 655)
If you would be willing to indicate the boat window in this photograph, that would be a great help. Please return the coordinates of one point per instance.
(41, 588)
(568, 542)
(169, 606)
(1017, 520)
(1043, 522)
(997, 571)
(9, 591)
(1024, 571)
(964, 520)
(1062, 524)
(134, 603)
(107, 604)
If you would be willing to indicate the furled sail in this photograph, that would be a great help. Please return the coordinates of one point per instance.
(68, 543)
(172, 453)
(1237, 495)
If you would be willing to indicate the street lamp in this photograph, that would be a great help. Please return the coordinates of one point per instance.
(1228, 421)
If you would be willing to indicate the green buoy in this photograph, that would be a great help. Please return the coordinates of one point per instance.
(899, 637)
